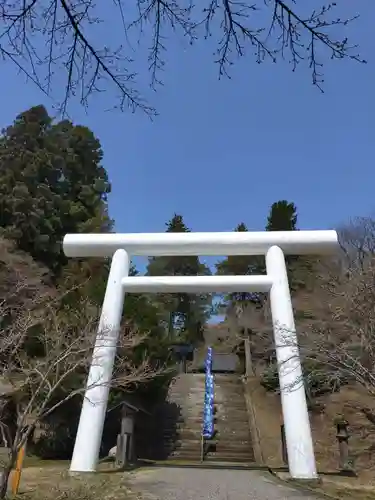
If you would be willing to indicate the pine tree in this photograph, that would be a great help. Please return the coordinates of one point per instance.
(282, 217)
(239, 265)
(187, 312)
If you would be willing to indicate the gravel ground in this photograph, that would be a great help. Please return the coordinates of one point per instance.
(199, 484)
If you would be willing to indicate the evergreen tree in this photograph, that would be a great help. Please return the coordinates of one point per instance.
(239, 265)
(51, 183)
(282, 217)
(187, 312)
(235, 303)
(236, 264)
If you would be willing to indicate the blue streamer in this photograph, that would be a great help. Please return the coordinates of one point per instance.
(208, 408)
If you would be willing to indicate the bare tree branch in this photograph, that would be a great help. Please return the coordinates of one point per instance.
(339, 335)
(45, 356)
(45, 38)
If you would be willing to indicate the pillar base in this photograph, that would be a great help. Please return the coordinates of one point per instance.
(313, 482)
(284, 475)
(73, 473)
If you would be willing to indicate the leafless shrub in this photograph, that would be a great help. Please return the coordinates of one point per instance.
(336, 337)
(357, 240)
(45, 355)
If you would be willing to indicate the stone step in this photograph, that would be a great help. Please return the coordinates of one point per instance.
(229, 403)
(219, 397)
(185, 427)
(223, 433)
(198, 394)
(178, 423)
(185, 386)
(200, 381)
(219, 405)
(186, 400)
(186, 376)
(217, 385)
(235, 415)
(184, 409)
(188, 434)
(232, 421)
(176, 408)
(230, 384)
(190, 382)
(213, 445)
(219, 411)
(196, 414)
(213, 457)
(197, 399)
(246, 447)
(225, 457)
(188, 456)
(186, 430)
(241, 428)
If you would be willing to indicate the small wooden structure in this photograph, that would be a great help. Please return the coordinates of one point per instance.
(125, 449)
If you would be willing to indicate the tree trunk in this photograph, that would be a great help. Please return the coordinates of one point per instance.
(248, 359)
(4, 479)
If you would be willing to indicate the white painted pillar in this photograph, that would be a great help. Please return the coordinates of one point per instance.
(94, 407)
(299, 442)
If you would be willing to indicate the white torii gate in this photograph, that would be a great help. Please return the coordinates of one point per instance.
(273, 245)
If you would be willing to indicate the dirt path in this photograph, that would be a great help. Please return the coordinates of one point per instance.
(198, 484)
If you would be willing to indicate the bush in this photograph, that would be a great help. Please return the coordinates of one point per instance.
(270, 378)
(59, 430)
(318, 380)
(55, 444)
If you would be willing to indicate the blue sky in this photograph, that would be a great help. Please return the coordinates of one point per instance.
(221, 152)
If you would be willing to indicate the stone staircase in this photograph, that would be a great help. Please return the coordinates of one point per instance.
(179, 421)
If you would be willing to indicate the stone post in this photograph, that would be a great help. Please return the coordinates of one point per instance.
(342, 435)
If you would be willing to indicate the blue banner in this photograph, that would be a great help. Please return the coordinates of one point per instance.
(208, 409)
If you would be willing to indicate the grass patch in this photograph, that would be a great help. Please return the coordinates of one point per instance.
(342, 488)
(361, 488)
(53, 482)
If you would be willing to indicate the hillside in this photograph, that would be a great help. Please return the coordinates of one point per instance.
(348, 402)
(362, 432)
